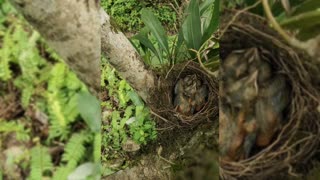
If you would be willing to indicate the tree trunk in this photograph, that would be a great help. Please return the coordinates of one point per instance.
(72, 29)
(124, 58)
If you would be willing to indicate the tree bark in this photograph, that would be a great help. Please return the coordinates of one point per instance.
(124, 58)
(72, 29)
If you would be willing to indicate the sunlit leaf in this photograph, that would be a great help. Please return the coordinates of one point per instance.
(90, 110)
(147, 43)
(156, 29)
(192, 26)
(214, 22)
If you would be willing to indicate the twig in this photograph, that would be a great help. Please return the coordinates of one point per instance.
(162, 118)
(201, 64)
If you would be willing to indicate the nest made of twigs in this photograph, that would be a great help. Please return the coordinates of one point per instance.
(162, 97)
(299, 139)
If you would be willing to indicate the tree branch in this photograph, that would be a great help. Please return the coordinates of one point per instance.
(124, 58)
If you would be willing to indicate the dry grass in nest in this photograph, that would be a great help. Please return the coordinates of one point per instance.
(162, 98)
(299, 139)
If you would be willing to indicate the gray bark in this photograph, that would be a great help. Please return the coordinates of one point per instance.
(72, 29)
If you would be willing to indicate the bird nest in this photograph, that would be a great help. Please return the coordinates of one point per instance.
(162, 102)
(297, 141)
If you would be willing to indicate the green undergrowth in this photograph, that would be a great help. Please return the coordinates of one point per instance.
(127, 13)
(124, 117)
(46, 136)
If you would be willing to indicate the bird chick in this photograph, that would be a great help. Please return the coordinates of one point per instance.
(182, 104)
(264, 72)
(250, 140)
(190, 79)
(242, 91)
(269, 109)
(236, 134)
(200, 97)
(190, 85)
(179, 87)
(184, 95)
(234, 65)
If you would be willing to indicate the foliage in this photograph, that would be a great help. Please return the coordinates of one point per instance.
(304, 18)
(126, 13)
(7, 127)
(201, 21)
(46, 86)
(301, 17)
(124, 114)
(40, 162)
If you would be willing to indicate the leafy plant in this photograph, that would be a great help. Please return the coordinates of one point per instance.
(200, 23)
(7, 127)
(40, 162)
(124, 115)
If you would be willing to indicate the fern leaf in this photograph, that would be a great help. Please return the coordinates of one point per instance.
(40, 162)
(5, 72)
(74, 150)
(14, 127)
(62, 173)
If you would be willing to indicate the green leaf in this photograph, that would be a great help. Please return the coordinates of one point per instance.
(308, 33)
(309, 5)
(304, 20)
(178, 44)
(147, 43)
(90, 110)
(214, 22)
(135, 98)
(156, 29)
(84, 171)
(192, 26)
(40, 162)
(205, 5)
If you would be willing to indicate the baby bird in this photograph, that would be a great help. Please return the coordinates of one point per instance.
(242, 91)
(200, 97)
(264, 73)
(250, 139)
(234, 65)
(180, 101)
(269, 109)
(182, 104)
(185, 91)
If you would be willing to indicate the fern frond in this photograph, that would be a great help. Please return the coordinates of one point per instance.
(55, 110)
(74, 150)
(70, 110)
(62, 172)
(57, 131)
(14, 127)
(5, 72)
(57, 78)
(40, 162)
